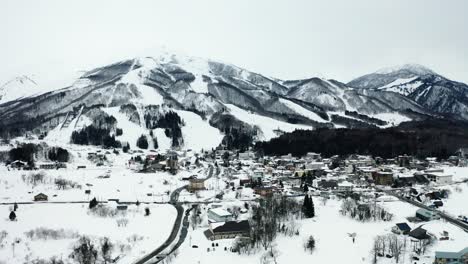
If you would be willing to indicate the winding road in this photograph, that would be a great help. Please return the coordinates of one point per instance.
(181, 220)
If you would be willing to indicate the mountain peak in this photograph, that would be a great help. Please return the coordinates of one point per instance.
(413, 68)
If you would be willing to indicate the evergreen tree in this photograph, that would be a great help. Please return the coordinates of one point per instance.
(142, 142)
(93, 203)
(155, 143)
(12, 216)
(305, 205)
(308, 207)
(312, 207)
(306, 188)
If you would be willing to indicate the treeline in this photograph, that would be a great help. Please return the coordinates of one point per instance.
(170, 122)
(366, 118)
(91, 135)
(435, 138)
(24, 153)
(238, 135)
(58, 154)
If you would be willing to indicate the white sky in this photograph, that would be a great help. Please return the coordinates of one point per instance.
(285, 39)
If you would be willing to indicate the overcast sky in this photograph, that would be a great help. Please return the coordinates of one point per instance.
(285, 39)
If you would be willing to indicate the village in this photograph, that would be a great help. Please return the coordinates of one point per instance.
(213, 195)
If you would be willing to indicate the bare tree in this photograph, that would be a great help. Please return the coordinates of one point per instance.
(85, 252)
(106, 250)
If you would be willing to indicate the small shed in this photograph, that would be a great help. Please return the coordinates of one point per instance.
(40, 197)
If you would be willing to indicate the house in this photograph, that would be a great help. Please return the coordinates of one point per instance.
(401, 228)
(383, 178)
(404, 160)
(219, 215)
(426, 215)
(248, 155)
(228, 230)
(47, 166)
(445, 257)
(421, 179)
(439, 178)
(419, 233)
(345, 186)
(41, 197)
(314, 165)
(366, 172)
(257, 176)
(331, 184)
(244, 182)
(264, 191)
(313, 156)
(196, 184)
(122, 207)
(17, 164)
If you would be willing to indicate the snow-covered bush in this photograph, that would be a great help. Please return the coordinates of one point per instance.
(66, 184)
(364, 212)
(106, 211)
(309, 244)
(44, 233)
(34, 178)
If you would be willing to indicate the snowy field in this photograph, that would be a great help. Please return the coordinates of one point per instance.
(331, 231)
(457, 202)
(139, 236)
(122, 184)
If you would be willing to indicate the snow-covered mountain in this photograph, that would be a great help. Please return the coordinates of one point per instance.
(422, 85)
(215, 101)
(19, 87)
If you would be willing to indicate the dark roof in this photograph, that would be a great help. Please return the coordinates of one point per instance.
(233, 226)
(403, 226)
(419, 233)
(421, 178)
(328, 184)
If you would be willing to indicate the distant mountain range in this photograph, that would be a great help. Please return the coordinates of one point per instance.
(222, 96)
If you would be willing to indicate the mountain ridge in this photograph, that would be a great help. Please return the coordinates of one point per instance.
(260, 106)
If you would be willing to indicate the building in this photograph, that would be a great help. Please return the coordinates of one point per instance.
(228, 230)
(401, 228)
(329, 185)
(172, 161)
(419, 233)
(345, 186)
(444, 257)
(196, 184)
(257, 176)
(439, 178)
(383, 178)
(264, 191)
(313, 156)
(314, 165)
(219, 215)
(426, 215)
(248, 155)
(41, 197)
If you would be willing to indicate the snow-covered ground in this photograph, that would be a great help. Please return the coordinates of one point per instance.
(266, 124)
(302, 111)
(122, 183)
(140, 235)
(331, 231)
